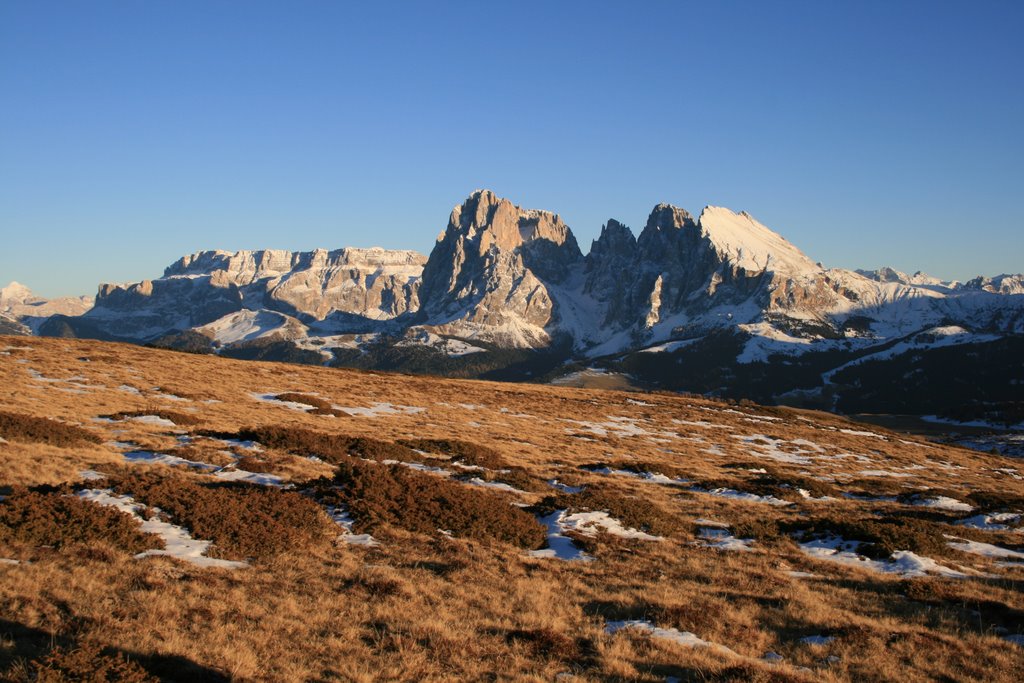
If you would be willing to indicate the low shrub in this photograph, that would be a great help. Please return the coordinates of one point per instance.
(996, 501)
(423, 503)
(762, 529)
(638, 467)
(548, 643)
(85, 663)
(464, 451)
(881, 537)
(332, 448)
(785, 485)
(255, 465)
(18, 427)
(243, 521)
(516, 477)
(57, 518)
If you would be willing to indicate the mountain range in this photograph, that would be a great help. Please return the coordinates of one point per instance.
(716, 304)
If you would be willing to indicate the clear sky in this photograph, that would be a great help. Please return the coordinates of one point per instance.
(867, 133)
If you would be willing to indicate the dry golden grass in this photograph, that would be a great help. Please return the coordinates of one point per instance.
(429, 605)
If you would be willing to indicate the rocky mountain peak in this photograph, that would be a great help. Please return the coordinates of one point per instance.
(750, 245)
(666, 217)
(489, 220)
(16, 292)
(614, 237)
(491, 267)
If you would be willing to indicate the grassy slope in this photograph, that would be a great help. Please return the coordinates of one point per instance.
(430, 605)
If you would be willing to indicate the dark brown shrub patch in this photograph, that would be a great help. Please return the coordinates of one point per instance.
(18, 427)
(464, 451)
(317, 405)
(996, 501)
(378, 587)
(332, 448)
(913, 497)
(637, 467)
(180, 419)
(86, 663)
(881, 537)
(57, 519)
(762, 529)
(376, 494)
(879, 486)
(516, 477)
(751, 673)
(243, 521)
(253, 464)
(547, 643)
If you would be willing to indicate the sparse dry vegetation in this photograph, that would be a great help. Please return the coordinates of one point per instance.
(450, 591)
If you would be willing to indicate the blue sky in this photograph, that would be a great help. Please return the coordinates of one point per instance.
(867, 133)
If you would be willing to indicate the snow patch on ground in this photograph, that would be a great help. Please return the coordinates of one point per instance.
(341, 517)
(154, 420)
(766, 447)
(740, 495)
(653, 477)
(559, 545)
(617, 426)
(379, 409)
(945, 503)
(721, 539)
(151, 458)
(177, 541)
(565, 488)
(902, 562)
(228, 473)
(258, 478)
(996, 521)
(500, 486)
(855, 432)
(983, 549)
(272, 399)
(592, 523)
(684, 638)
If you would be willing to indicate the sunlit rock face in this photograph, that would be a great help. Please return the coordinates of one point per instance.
(490, 273)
